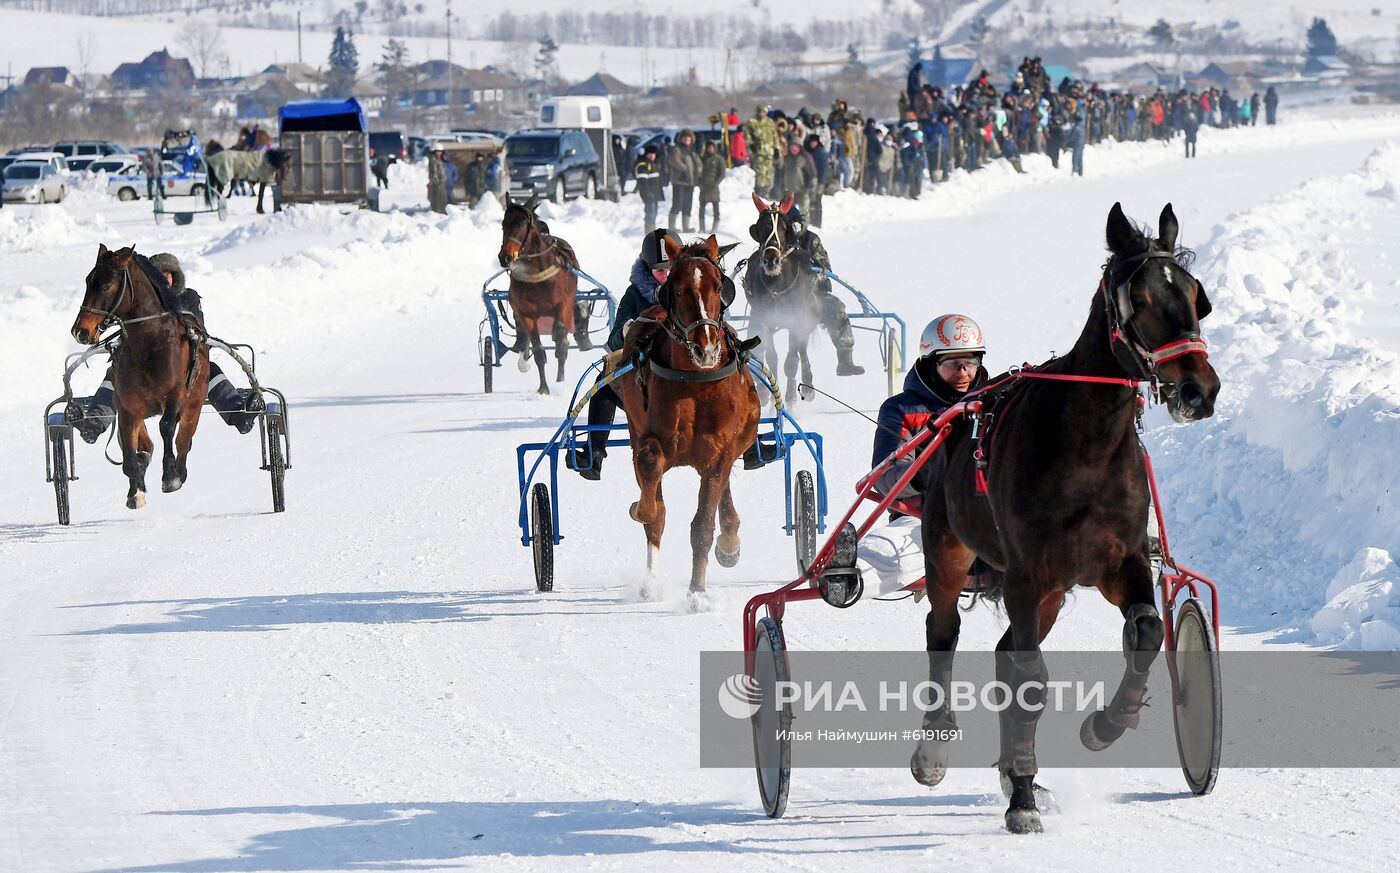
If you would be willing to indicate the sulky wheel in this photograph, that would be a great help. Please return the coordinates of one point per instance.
(276, 463)
(772, 743)
(805, 520)
(542, 537)
(488, 363)
(60, 473)
(1196, 697)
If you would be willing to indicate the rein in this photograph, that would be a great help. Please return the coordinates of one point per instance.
(680, 333)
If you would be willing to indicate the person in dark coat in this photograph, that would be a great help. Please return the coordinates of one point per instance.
(619, 154)
(475, 179)
(712, 170)
(650, 188)
(684, 165)
(1271, 106)
(873, 148)
(1191, 125)
(820, 160)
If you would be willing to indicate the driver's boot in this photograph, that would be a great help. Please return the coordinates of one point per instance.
(90, 416)
(238, 406)
(582, 341)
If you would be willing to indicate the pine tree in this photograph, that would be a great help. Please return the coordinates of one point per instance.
(1161, 33)
(394, 72)
(544, 57)
(1320, 39)
(344, 64)
(938, 75)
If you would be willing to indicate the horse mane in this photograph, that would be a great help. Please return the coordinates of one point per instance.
(154, 275)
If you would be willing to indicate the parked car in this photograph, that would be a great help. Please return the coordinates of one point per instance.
(127, 182)
(33, 182)
(53, 159)
(557, 163)
(80, 154)
(390, 142)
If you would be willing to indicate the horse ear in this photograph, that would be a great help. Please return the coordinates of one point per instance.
(724, 250)
(787, 203)
(1121, 233)
(1166, 229)
(532, 202)
(758, 202)
(102, 250)
(1203, 307)
(673, 248)
(712, 248)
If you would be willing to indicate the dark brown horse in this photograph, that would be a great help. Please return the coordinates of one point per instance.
(542, 288)
(697, 406)
(157, 369)
(1066, 499)
(782, 292)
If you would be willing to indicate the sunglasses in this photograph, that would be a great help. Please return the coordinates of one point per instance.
(965, 365)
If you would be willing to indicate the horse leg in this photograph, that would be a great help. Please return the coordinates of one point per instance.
(184, 438)
(945, 566)
(805, 393)
(649, 464)
(525, 333)
(136, 448)
(727, 546)
(1142, 638)
(790, 370)
(561, 347)
(537, 352)
(170, 479)
(1019, 663)
(262, 186)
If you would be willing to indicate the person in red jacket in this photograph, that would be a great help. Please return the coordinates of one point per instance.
(949, 366)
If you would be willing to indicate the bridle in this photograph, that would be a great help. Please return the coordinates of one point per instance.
(530, 228)
(1122, 331)
(110, 317)
(680, 333)
(774, 240)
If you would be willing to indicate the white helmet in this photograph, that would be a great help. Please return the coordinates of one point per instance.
(951, 333)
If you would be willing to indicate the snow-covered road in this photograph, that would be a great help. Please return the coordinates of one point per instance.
(368, 681)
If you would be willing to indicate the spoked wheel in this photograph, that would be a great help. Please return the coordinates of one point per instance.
(542, 537)
(772, 743)
(805, 520)
(60, 473)
(893, 364)
(1196, 697)
(488, 363)
(276, 463)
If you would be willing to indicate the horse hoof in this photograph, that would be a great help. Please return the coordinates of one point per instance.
(1024, 821)
(583, 343)
(726, 559)
(136, 501)
(169, 485)
(929, 765)
(698, 600)
(1044, 797)
(1098, 733)
(544, 391)
(522, 363)
(806, 393)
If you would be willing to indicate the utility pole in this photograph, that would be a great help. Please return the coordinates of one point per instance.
(451, 74)
(298, 36)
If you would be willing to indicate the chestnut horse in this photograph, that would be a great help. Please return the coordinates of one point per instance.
(694, 404)
(1066, 496)
(542, 285)
(157, 369)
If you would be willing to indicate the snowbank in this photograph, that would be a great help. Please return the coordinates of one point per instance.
(1295, 481)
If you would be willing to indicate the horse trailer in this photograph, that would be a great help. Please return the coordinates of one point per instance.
(328, 141)
(593, 116)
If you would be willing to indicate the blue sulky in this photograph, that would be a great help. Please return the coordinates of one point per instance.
(780, 430)
(497, 322)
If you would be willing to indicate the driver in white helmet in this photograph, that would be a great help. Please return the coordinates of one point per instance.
(949, 366)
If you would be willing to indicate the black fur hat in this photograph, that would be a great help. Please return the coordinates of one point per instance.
(168, 263)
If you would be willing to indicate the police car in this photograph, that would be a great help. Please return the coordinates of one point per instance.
(127, 182)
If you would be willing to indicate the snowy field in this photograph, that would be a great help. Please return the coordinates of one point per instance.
(369, 682)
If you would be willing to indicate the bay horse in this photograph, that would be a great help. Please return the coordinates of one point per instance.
(268, 167)
(782, 292)
(694, 404)
(542, 286)
(1066, 496)
(159, 368)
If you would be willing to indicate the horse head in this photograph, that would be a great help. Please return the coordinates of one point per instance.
(107, 290)
(773, 232)
(280, 162)
(1154, 307)
(694, 301)
(517, 227)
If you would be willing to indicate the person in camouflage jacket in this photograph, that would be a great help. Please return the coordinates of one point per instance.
(762, 137)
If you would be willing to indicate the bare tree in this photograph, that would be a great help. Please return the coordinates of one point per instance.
(86, 45)
(204, 41)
